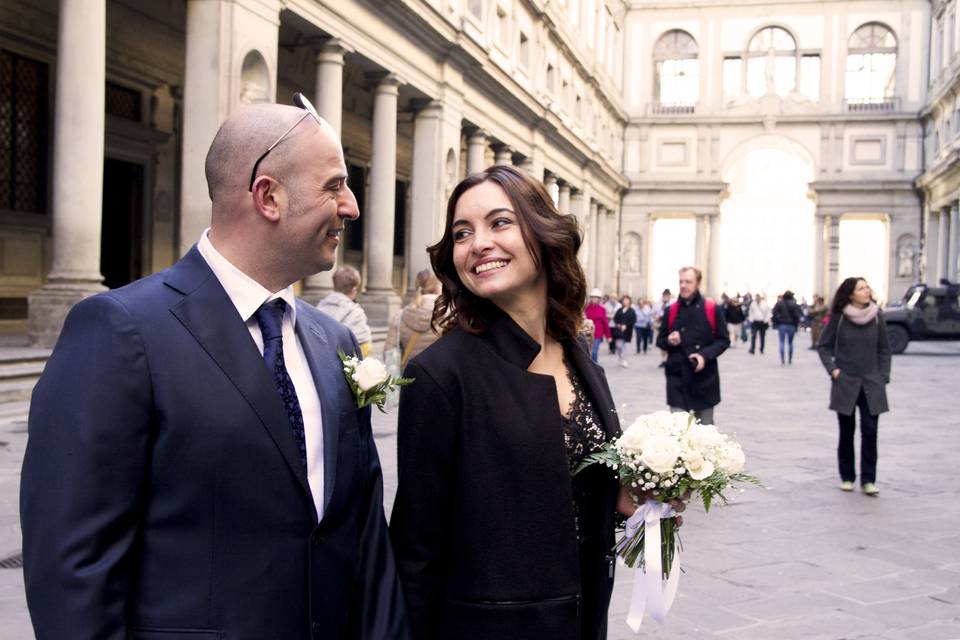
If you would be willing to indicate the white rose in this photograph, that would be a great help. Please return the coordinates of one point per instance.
(702, 436)
(660, 453)
(698, 467)
(632, 439)
(731, 458)
(370, 373)
(661, 421)
(681, 422)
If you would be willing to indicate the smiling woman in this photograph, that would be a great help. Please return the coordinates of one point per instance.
(494, 537)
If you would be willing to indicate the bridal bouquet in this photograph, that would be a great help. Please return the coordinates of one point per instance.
(369, 380)
(666, 456)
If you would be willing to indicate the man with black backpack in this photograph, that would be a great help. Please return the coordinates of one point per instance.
(694, 334)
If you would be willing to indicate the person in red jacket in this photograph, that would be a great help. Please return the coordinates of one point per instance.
(601, 324)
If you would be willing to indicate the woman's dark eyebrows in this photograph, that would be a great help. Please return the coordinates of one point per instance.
(490, 213)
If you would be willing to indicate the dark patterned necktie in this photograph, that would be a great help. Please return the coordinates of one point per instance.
(270, 318)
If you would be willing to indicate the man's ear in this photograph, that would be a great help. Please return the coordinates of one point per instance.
(268, 197)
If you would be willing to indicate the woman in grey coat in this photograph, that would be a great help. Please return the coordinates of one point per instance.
(854, 350)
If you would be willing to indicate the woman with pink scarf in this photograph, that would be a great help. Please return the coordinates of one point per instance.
(854, 350)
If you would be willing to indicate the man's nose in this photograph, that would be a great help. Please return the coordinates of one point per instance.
(348, 205)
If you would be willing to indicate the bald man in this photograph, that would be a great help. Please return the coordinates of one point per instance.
(197, 466)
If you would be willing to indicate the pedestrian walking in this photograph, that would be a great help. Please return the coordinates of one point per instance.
(694, 334)
(666, 298)
(759, 317)
(341, 305)
(733, 312)
(854, 350)
(786, 316)
(611, 304)
(601, 325)
(818, 312)
(623, 320)
(644, 325)
(409, 331)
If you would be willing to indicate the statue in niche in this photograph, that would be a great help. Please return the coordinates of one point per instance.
(906, 257)
(630, 255)
(253, 92)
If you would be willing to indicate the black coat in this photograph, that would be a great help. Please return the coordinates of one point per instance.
(686, 389)
(628, 318)
(483, 523)
(786, 311)
(862, 353)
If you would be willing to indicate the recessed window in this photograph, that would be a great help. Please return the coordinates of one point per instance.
(524, 53)
(871, 65)
(501, 27)
(677, 69)
(24, 99)
(551, 79)
(476, 8)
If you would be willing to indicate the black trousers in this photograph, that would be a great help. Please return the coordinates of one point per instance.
(758, 328)
(644, 337)
(868, 443)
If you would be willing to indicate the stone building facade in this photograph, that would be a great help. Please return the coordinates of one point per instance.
(630, 112)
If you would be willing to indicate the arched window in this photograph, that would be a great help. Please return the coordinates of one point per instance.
(772, 60)
(677, 69)
(871, 65)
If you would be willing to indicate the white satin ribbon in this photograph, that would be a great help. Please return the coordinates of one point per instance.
(650, 592)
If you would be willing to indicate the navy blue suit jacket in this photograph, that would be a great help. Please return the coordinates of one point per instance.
(162, 494)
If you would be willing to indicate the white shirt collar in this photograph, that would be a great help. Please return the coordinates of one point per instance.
(244, 292)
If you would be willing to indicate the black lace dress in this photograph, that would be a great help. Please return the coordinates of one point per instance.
(583, 435)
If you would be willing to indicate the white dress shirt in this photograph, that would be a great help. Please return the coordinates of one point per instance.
(247, 295)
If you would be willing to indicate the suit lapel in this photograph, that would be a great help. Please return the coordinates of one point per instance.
(597, 391)
(207, 313)
(327, 372)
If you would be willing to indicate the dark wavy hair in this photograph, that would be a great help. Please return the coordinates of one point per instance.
(842, 297)
(553, 240)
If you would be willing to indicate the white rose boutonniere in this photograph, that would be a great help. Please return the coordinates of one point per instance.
(369, 380)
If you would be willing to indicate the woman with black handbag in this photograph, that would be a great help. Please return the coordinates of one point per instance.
(623, 320)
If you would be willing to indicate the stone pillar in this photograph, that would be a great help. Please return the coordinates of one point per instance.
(225, 67)
(78, 139)
(701, 249)
(819, 255)
(379, 299)
(833, 261)
(944, 246)
(328, 98)
(563, 198)
(553, 189)
(426, 197)
(713, 257)
(953, 250)
(477, 152)
(592, 244)
(504, 155)
(931, 242)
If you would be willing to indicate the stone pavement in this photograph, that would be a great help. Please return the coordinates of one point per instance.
(796, 560)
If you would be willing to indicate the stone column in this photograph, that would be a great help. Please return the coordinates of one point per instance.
(713, 258)
(833, 261)
(426, 197)
(225, 66)
(78, 139)
(953, 250)
(328, 98)
(931, 241)
(476, 152)
(550, 182)
(819, 254)
(563, 198)
(504, 155)
(944, 246)
(592, 244)
(380, 300)
(701, 249)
